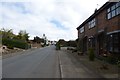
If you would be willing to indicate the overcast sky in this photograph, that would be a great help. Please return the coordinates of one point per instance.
(57, 19)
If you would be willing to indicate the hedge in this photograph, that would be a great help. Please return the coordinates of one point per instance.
(15, 43)
(91, 54)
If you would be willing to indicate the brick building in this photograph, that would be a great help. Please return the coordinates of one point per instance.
(101, 30)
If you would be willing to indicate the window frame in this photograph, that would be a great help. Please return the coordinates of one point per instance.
(113, 10)
(92, 23)
(112, 42)
(82, 29)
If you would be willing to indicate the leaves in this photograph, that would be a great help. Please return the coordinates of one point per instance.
(23, 35)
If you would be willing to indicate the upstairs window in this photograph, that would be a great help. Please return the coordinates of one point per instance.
(114, 10)
(92, 23)
(82, 29)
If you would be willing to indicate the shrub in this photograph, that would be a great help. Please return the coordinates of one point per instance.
(111, 59)
(91, 54)
(10, 47)
(58, 46)
(15, 43)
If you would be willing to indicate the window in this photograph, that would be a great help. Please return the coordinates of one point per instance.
(109, 15)
(108, 10)
(92, 23)
(113, 7)
(113, 13)
(113, 43)
(118, 11)
(114, 10)
(82, 29)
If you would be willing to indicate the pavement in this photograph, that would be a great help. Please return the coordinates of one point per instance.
(71, 68)
(80, 67)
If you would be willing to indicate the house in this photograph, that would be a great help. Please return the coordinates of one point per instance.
(101, 31)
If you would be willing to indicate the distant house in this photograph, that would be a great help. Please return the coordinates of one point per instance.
(101, 30)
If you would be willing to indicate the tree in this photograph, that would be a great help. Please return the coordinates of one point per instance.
(72, 43)
(37, 39)
(62, 42)
(23, 35)
(7, 33)
(26, 36)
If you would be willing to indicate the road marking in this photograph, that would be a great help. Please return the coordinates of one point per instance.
(60, 65)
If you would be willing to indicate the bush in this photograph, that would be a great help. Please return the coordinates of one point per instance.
(10, 47)
(91, 54)
(15, 43)
(111, 59)
(58, 46)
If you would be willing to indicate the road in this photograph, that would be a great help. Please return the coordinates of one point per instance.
(39, 63)
(45, 63)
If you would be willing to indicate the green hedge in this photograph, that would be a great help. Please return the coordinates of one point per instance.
(15, 43)
(58, 47)
(91, 54)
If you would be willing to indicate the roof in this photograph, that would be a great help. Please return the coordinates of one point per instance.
(95, 13)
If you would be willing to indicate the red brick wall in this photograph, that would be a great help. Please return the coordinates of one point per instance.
(101, 20)
(111, 24)
(90, 32)
(80, 35)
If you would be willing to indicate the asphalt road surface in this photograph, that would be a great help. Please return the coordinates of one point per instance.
(39, 63)
(45, 63)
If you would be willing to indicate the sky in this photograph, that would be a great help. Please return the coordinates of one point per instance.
(57, 19)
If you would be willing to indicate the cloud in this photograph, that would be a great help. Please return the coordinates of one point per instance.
(55, 18)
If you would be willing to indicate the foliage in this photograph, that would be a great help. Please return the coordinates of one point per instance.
(113, 59)
(37, 39)
(72, 43)
(10, 46)
(15, 43)
(91, 54)
(40, 40)
(23, 35)
(58, 46)
(79, 45)
(7, 33)
(62, 43)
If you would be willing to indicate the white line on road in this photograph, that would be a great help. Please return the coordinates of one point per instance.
(60, 65)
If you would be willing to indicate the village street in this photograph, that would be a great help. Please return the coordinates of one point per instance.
(45, 63)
